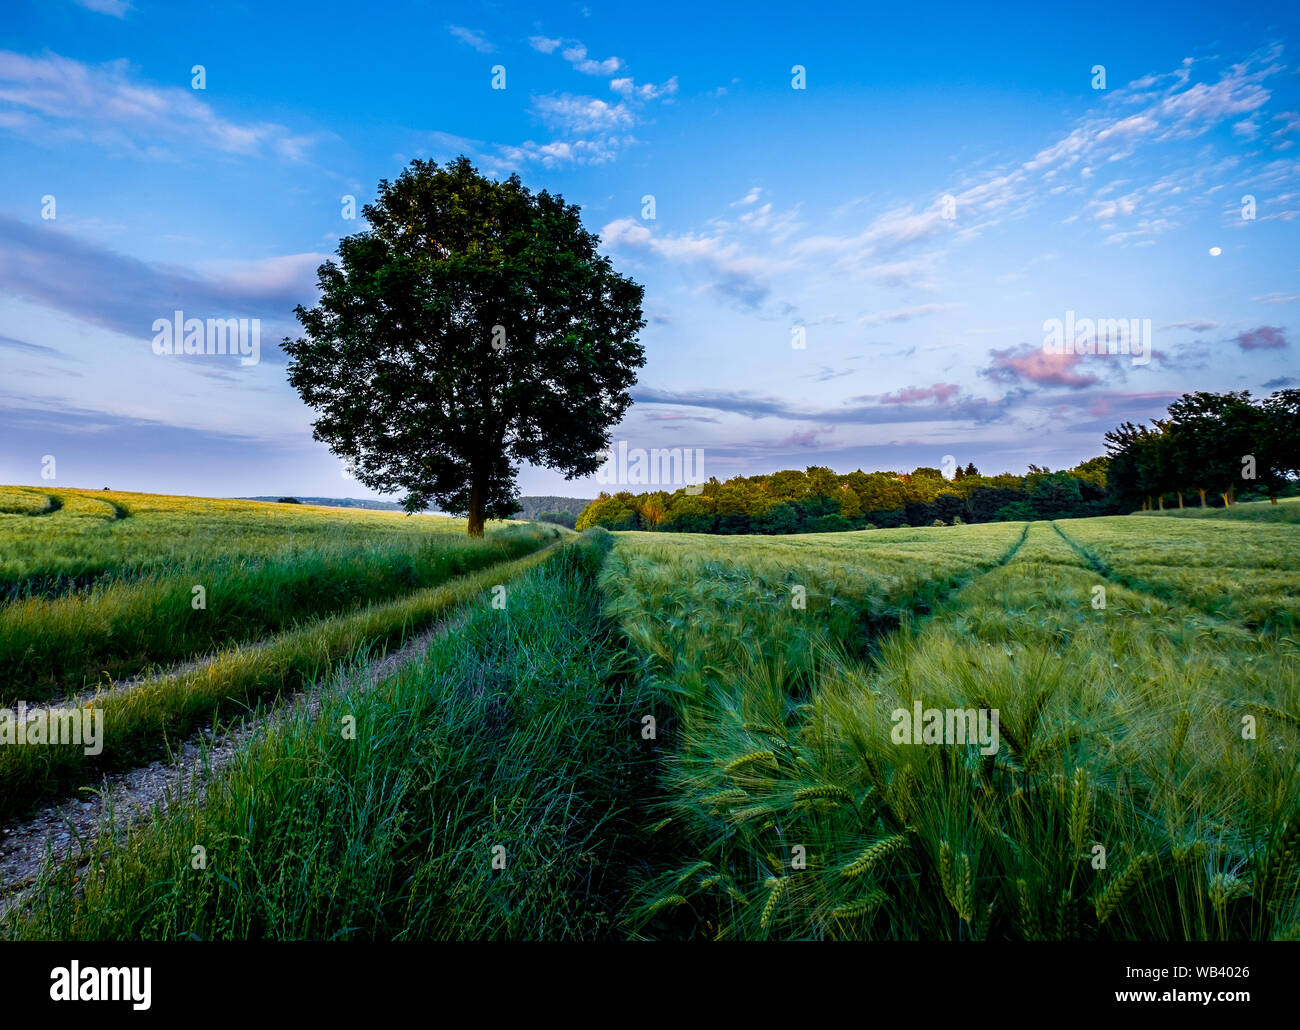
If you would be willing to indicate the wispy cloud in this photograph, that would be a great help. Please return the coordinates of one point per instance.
(116, 8)
(472, 38)
(54, 269)
(904, 314)
(52, 98)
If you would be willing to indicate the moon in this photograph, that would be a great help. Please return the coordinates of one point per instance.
(1215, 251)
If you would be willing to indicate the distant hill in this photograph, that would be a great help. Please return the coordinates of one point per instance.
(335, 502)
(531, 507)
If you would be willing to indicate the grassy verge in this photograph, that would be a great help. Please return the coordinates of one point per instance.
(50, 647)
(490, 791)
(139, 720)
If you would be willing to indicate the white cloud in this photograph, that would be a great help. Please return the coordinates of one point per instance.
(59, 97)
(472, 38)
(116, 8)
(580, 114)
(904, 314)
(647, 91)
(576, 55)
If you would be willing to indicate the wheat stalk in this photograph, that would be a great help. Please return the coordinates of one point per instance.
(825, 791)
(1108, 901)
(1028, 917)
(749, 759)
(866, 859)
(861, 907)
(664, 902)
(778, 888)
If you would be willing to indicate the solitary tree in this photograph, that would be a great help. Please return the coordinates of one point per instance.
(471, 327)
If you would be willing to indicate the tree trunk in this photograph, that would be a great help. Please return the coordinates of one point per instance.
(476, 499)
(1232, 493)
(1201, 491)
(1161, 501)
(1180, 500)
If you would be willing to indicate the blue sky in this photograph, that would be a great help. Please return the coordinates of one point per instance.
(776, 208)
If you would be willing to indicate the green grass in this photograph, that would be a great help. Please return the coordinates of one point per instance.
(140, 719)
(1121, 728)
(1145, 783)
(1286, 510)
(1247, 571)
(57, 540)
(56, 646)
(520, 732)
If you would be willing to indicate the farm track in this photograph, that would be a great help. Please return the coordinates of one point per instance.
(70, 830)
(141, 779)
(1152, 591)
(71, 820)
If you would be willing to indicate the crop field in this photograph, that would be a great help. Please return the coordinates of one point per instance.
(1144, 781)
(662, 736)
(104, 585)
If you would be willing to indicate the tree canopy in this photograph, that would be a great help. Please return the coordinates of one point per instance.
(472, 327)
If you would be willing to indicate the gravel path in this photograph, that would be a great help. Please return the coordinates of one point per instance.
(69, 829)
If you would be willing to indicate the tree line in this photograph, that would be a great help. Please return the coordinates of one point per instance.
(1210, 445)
(1199, 450)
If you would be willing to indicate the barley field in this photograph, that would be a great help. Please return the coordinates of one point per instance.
(659, 736)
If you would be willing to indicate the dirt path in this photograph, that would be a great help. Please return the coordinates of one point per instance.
(70, 828)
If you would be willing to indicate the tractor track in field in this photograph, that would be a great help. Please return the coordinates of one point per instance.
(70, 829)
(1148, 590)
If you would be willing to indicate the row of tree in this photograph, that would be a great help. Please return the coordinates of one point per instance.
(818, 500)
(1210, 445)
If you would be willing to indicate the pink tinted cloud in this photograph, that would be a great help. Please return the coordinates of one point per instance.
(1034, 365)
(808, 438)
(939, 392)
(1266, 337)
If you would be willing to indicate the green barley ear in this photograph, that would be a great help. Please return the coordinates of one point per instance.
(1080, 809)
(778, 888)
(980, 929)
(1066, 916)
(1281, 857)
(741, 815)
(664, 902)
(946, 877)
(1224, 887)
(868, 858)
(767, 729)
(1275, 713)
(725, 797)
(749, 759)
(826, 792)
(692, 870)
(966, 882)
(900, 793)
(861, 907)
(1108, 902)
(1028, 917)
